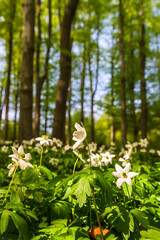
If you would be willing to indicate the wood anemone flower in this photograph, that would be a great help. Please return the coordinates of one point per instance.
(79, 135)
(19, 158)
(124, 175)
(44, 139)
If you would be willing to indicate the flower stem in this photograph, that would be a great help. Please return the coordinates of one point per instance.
(41, 157)
(129, 196)
(74, 168)
(98, 220)
(89, 153)
(10, 184)
(90, 213)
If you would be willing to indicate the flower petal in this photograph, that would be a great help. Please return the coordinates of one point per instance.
(118, 168)
(117, 174)
(128, 181)
(132, 174)
(20, 150)
(76, 144)
(120, 181)
(127, 168)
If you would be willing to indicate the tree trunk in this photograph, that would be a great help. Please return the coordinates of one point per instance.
(65, 71)
(26, 85)
(83, 83)
(15, 113)
(123, 79)
(7, 90)
(132, 97)
(112, 134)
(144, 114)
(46, 106)
(69, 113)
(41, 79)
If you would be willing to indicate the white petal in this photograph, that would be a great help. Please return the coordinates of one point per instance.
(22, 164)
(15, 152)
(132, 174)
(28, 156)
(39, 139)
(118, 168)
(79, 135)
(78, 127)
(121, 160)
(20, 150)
(128, 181)
(120, 181)
(77, 144)
(11, 171)
(117, 174)
(127, 168)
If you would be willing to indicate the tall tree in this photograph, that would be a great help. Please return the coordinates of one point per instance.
(123, 78)
(41, 79)
(26, 84)
(83, 75)
(7, 90)
(142, 45)
(65, 71)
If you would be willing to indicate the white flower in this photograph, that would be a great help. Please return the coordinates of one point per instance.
(107, 157)
(79, 156)
(124, 162)
(44, 139)
(95, 160)
(158, 152)
(79, 135)
(124, 175)
(12, 167)
(4, 149)
(21, 158)
(152, 151)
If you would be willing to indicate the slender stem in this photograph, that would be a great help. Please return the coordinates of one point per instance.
(10, 184)
(90, 213)
(89, 153)
(129, 196)
(94, 201)
(74, 168)
(41, 157)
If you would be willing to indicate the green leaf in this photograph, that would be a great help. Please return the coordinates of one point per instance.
(151, 234)
(141, 217)
(46, 172)
(31, 214)
(4, 221)
(21, 225)
(83, 189)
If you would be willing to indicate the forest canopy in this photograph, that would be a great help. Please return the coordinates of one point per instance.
(90, 61)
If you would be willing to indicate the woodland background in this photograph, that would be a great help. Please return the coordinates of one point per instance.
(90, 61)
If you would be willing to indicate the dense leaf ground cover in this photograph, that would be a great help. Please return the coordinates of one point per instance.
(56, 193)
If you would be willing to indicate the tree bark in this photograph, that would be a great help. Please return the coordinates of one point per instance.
(112, 134)
(83, 83)
(69, 113)
(41, 79)
(123, 79)
(65, 71)
(7, 90)
(26, 84)
(144, 114)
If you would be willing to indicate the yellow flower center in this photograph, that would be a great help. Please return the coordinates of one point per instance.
(124, 175)
(45, 137)
(22, 155)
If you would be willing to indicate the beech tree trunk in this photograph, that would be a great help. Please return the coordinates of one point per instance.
(123, 79)
(112, 134)
(26, 84)
(83, 83)
(69, 137)
(7, 90)
(65, 71)
(144, 114)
